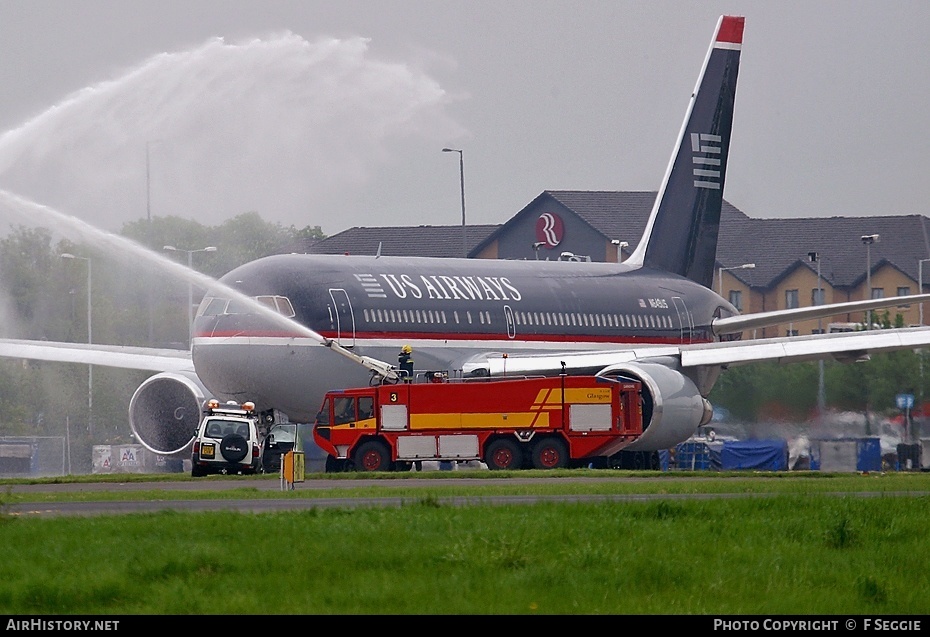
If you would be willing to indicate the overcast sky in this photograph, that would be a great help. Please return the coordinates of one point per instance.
(335, 113)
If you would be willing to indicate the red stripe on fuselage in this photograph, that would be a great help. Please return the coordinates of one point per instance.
(432, 336)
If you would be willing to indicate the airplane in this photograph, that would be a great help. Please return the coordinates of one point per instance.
(653, 317)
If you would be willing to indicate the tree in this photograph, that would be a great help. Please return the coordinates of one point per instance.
(43, 296)
(38, 296)
(765, 390)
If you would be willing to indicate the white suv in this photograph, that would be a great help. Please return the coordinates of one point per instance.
(227, 440)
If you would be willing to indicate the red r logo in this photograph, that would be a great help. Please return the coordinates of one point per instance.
(549, 229)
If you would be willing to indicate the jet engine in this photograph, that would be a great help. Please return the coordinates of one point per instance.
(165, 410)
(673, 408)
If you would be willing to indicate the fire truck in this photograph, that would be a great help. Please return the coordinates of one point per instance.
(543, 423)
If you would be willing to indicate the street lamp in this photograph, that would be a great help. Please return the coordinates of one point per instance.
(814, 257)
(620, 246)
(190, 286)
(868, 240)
(148, 216)
(462, 181)
(720, 271)
(90, 340)
(920, 286)
(148, 186)
(920, 352)
(536, 246)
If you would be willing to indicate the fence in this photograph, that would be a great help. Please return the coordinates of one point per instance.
(33, 456)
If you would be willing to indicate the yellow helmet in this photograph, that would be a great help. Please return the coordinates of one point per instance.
(406, 349)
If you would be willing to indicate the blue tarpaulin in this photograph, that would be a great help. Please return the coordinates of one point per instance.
(692, 456)
(762, 455)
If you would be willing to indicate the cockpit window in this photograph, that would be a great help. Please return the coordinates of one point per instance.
(280, 304)
(285, 307)
(238, 307)
(213, 306)
(267, 300)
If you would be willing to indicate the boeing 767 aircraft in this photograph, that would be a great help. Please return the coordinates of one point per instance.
(653, 317)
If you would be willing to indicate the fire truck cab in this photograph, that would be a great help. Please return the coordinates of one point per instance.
(543, 423)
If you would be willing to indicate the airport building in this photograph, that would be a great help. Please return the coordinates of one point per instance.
(762, 264)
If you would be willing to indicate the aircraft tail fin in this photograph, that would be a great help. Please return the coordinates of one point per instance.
(681, 234)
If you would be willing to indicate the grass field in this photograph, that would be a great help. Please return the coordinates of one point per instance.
(811, 547)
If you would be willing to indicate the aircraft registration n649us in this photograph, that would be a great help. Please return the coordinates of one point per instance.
(652, 318)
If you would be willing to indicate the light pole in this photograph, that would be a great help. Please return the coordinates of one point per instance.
(536, 246)
(190, 286)
(148, 216)
(90, 340)
(818, 300)
(720, 271)
(620, 246)
(920, 287)
(868, 240)
(920, 352)
(148, 189)
(462, 182)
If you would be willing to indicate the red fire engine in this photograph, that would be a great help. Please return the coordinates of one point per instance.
(543, 423)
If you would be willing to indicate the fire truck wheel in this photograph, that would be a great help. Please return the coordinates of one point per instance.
(373, 456)
(503, 454)
(550, 453)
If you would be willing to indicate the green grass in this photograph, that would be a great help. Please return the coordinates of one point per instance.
(796, 552)
(405, 485)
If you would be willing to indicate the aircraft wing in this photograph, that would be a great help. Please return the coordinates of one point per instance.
(147, 358)
(844, 347)
(742, 322)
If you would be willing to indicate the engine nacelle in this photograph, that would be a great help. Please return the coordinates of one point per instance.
(165, 410)
(673, 408)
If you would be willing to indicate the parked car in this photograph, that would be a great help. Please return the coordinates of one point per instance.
(227, 440)
(278, 441)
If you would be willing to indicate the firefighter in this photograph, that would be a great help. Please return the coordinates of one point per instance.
(405, 363)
